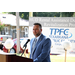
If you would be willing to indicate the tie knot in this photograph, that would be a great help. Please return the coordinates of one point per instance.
(35, 39)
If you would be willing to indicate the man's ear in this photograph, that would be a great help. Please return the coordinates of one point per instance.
(41, 30)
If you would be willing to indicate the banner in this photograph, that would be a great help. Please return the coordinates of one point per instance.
(58, 29)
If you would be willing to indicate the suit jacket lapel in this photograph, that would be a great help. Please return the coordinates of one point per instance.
(39, 40)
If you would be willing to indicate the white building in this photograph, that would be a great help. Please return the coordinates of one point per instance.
(10, 25)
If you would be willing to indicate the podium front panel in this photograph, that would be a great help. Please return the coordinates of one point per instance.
(14, 58)
(2, 58)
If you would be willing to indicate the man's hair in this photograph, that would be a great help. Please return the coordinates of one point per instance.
(38, 24)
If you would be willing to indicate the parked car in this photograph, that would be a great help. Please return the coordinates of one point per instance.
(14, 48)
(3, 38)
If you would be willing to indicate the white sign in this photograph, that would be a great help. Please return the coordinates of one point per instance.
(57, 29)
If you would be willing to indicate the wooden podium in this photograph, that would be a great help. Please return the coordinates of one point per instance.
(13, 58)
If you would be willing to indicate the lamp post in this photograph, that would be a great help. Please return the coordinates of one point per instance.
(65, 53)
(18, 30)
(67, 46)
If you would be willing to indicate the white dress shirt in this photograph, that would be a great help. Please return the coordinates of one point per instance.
(38, 37)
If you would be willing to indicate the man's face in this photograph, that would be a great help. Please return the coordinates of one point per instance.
(36, 30)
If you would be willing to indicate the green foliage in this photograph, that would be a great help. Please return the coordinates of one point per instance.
(14, 13)
(1, 26)
(52, 14)
(46, 14)
(25, 15)
(67, 14)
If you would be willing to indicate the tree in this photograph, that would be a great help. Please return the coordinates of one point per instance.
(46, 14)
(25, 15)
(1, 26)
(67, 14)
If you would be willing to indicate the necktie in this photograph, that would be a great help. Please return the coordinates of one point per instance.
(34, 43)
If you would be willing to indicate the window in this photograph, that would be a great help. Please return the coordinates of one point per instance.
(26, 31)
(6, 30)
(4, 17)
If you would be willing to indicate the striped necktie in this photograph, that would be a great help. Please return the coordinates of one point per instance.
(34, 43)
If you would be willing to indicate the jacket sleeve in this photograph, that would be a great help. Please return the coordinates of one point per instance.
(45, 50)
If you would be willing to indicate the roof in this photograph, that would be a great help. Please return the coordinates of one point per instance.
(11, 20)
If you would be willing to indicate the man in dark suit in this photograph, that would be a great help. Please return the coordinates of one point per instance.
(40, 51)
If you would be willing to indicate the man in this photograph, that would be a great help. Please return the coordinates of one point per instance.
(41, 50)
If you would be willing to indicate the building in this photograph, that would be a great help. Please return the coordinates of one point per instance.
(10, 25)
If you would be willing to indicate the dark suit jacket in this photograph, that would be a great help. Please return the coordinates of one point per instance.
(41, 52)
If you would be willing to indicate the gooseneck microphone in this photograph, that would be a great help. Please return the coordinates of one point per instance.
(25, 45)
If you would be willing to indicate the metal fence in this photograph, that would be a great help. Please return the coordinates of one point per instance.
(13, 33)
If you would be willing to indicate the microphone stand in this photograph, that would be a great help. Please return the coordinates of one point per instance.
(24, 49)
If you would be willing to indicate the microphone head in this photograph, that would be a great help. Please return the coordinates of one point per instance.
(24, 43)
(28, 40)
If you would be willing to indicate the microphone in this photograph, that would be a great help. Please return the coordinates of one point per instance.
(26, 43)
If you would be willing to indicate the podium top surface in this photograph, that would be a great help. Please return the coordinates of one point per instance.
(8, 53)
(4, 53)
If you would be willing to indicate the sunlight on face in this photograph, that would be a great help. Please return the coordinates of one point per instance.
(36, 30)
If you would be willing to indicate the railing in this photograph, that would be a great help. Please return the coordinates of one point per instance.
(14, 33)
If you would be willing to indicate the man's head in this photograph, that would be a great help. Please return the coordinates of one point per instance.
(37, 29)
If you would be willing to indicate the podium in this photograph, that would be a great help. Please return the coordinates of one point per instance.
(13, 58)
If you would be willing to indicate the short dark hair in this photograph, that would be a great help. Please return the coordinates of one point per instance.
(38, 24)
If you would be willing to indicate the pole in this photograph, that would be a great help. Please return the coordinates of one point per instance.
(30, 14)
(65, 54)
(18, 29)
(8, 50)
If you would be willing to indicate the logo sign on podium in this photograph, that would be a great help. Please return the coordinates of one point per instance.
(58, 29)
